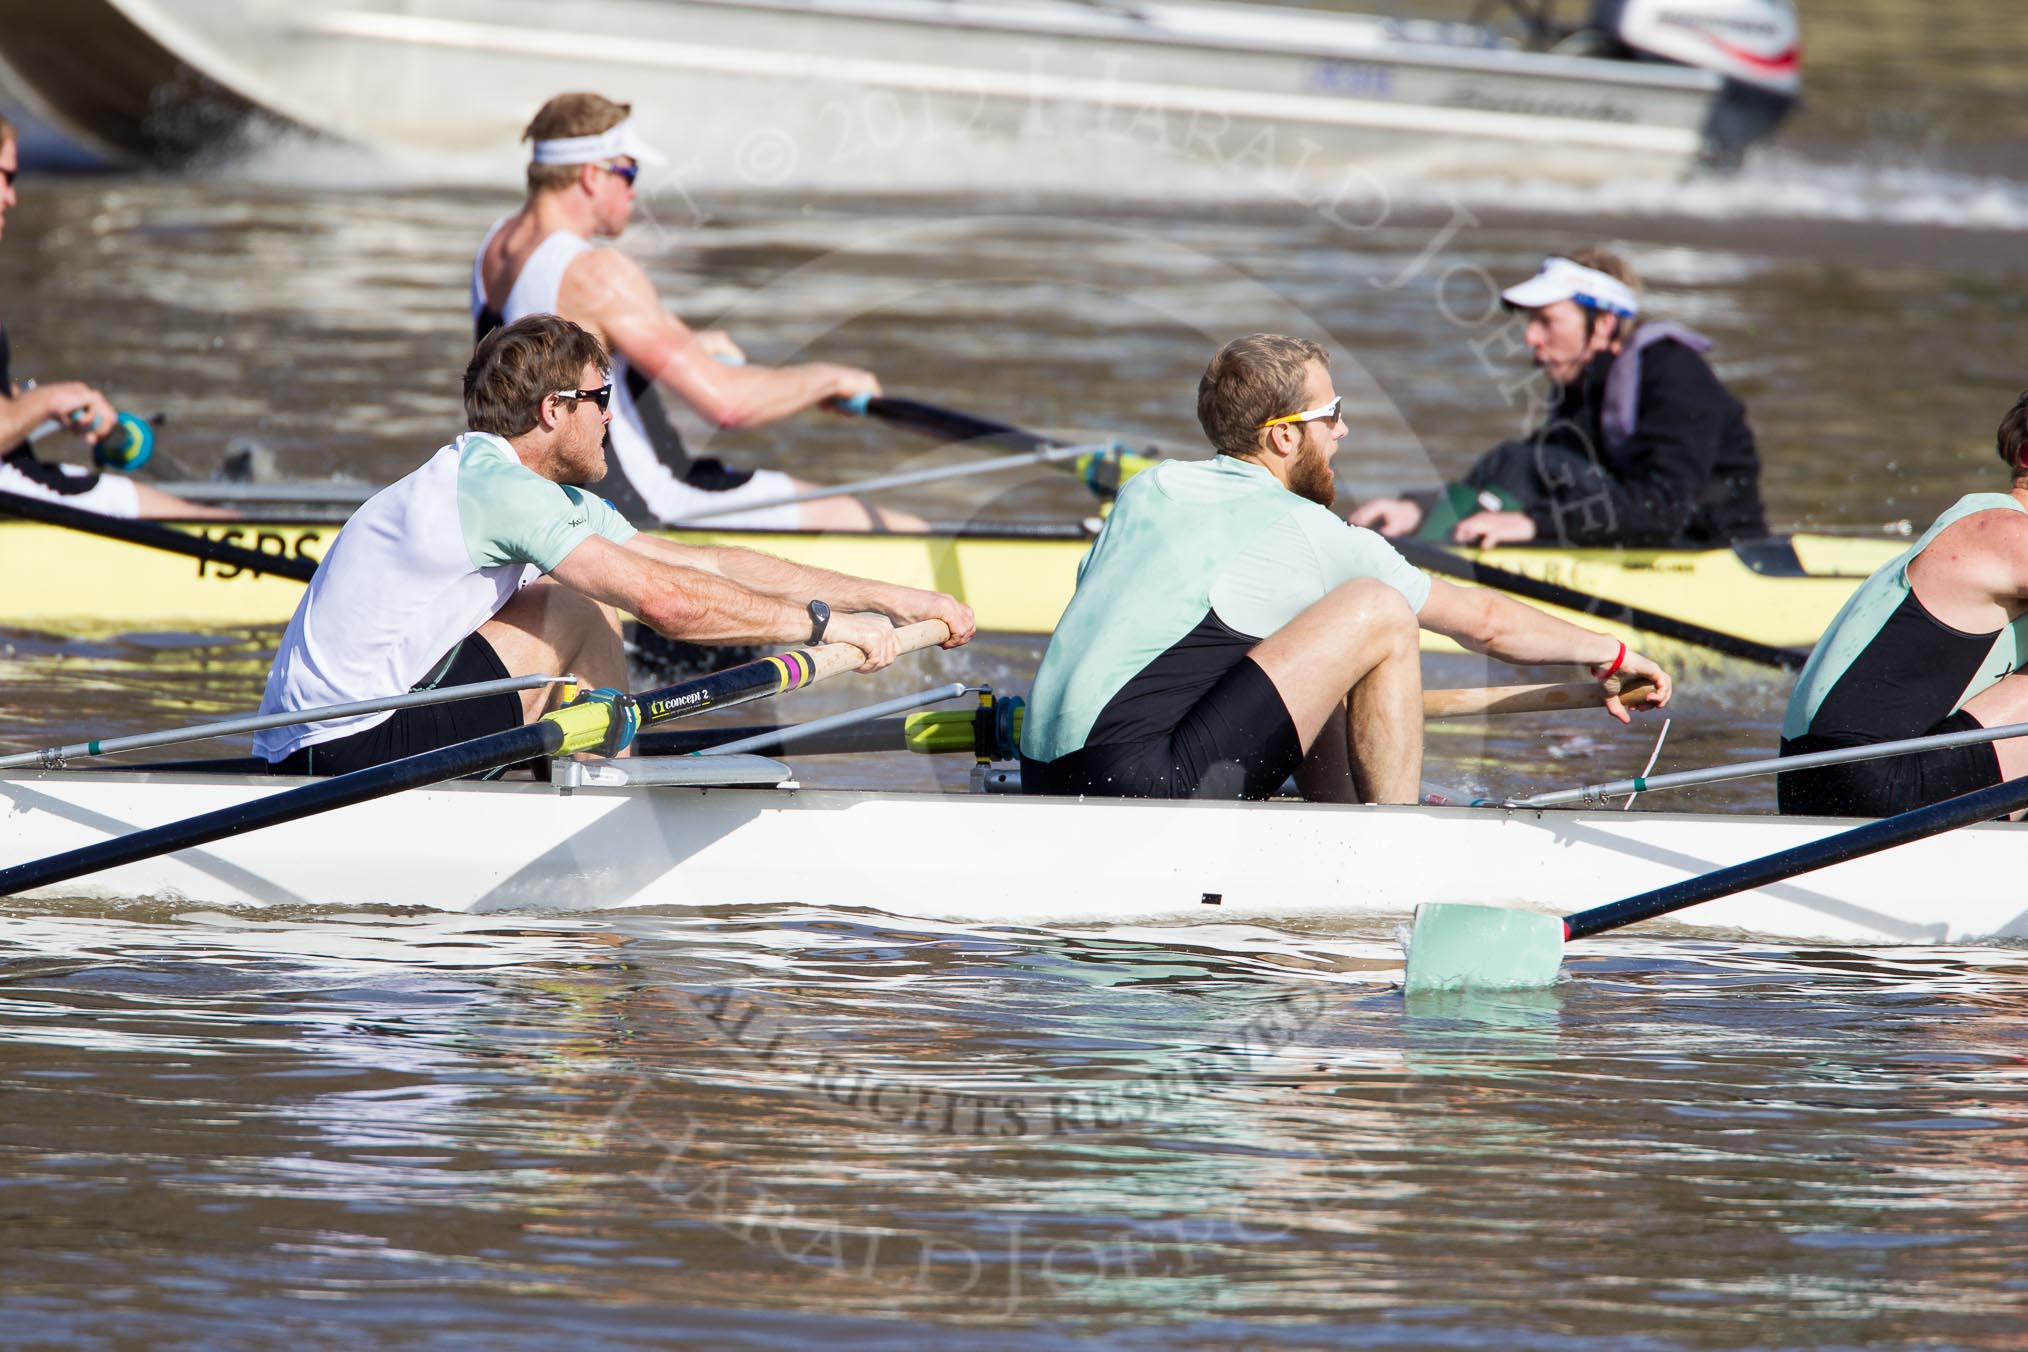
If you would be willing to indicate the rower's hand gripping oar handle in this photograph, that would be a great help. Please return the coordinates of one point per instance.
(605, 720)
(834, 659)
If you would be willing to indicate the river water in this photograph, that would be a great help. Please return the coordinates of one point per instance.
(783, 1127)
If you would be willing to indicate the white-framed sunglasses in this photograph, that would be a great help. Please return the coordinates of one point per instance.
(1328, 412)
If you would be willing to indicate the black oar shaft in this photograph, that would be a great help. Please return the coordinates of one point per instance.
(431, 767)
(883, 734)
(1436, 559)
(1965, 810)
(723, 689)
(955, 426)
(157, 537)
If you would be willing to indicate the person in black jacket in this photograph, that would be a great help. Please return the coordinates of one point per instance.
(1642, 444)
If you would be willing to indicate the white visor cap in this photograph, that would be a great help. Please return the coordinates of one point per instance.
(1561, 279)
(622, 140)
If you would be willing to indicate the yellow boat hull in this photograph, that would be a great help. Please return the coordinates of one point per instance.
(67, 582)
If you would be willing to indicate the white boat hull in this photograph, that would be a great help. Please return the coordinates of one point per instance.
(527, 847)
(899, 95)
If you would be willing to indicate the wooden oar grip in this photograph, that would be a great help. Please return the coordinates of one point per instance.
(1523, 699)
(922, 634)
(834, 658)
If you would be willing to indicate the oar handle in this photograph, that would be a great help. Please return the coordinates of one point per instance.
(834, 659)
(1981, 805)
(1523, 699)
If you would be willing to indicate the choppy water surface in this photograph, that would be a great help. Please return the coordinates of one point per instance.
(791, 1128)
(806, 1129)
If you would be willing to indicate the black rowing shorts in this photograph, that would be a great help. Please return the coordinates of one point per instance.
(410, 732)
(1236, 742)
(1886, 785)
(715, 476)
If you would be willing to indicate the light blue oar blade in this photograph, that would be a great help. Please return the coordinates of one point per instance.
(1454, 946)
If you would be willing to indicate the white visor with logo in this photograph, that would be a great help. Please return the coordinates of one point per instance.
(1561, 279)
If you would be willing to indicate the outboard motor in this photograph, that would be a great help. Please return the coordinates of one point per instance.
(1752, 41)
(1754, 44)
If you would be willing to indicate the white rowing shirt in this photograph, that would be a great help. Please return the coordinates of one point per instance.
(417, 569)
(660, 490)
(70, 486)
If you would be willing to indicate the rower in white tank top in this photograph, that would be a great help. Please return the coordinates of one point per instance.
(649, 473)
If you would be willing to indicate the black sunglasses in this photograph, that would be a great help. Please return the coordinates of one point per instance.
(601, 396)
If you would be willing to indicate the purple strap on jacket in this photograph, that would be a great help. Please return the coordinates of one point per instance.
(1623, 381)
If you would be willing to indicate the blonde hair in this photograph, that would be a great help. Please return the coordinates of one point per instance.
(564, 116)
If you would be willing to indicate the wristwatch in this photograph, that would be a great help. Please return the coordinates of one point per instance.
(820, 620)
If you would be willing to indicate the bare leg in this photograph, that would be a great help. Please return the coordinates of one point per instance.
(1996, 707)
(1325, 776)
(547, 627)
(1354, 655)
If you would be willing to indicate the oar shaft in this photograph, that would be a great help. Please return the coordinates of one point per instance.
(1772, 765)
(1978, 806)
(431, 767)
(157, 537)
(903, 480)
(1520, 699)
(1436, 559)
(1107, 467)
(791, 670)
(53, 757)
(771, 738)
(953, 425)
(857, 739)
(953, 731)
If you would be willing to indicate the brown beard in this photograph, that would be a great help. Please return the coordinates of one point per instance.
(1310, 476)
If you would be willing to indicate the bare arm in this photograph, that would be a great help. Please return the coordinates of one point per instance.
(702, 606)
(1974, 575)
(798, 584)
(23, 411)
(1499, 626)
(609, 292)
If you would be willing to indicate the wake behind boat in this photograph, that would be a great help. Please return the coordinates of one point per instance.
(934, 94)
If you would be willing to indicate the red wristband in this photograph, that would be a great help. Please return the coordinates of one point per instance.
(1618, 658)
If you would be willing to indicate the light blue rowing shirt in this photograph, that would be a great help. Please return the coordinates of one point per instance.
(1866, 613)
(1189, 539)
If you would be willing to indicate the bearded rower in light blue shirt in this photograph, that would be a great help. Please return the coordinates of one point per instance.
(1228, 630)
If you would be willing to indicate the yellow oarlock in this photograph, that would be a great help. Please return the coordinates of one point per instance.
(602, 720)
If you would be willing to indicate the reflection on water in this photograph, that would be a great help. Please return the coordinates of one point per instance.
(863, 1131)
